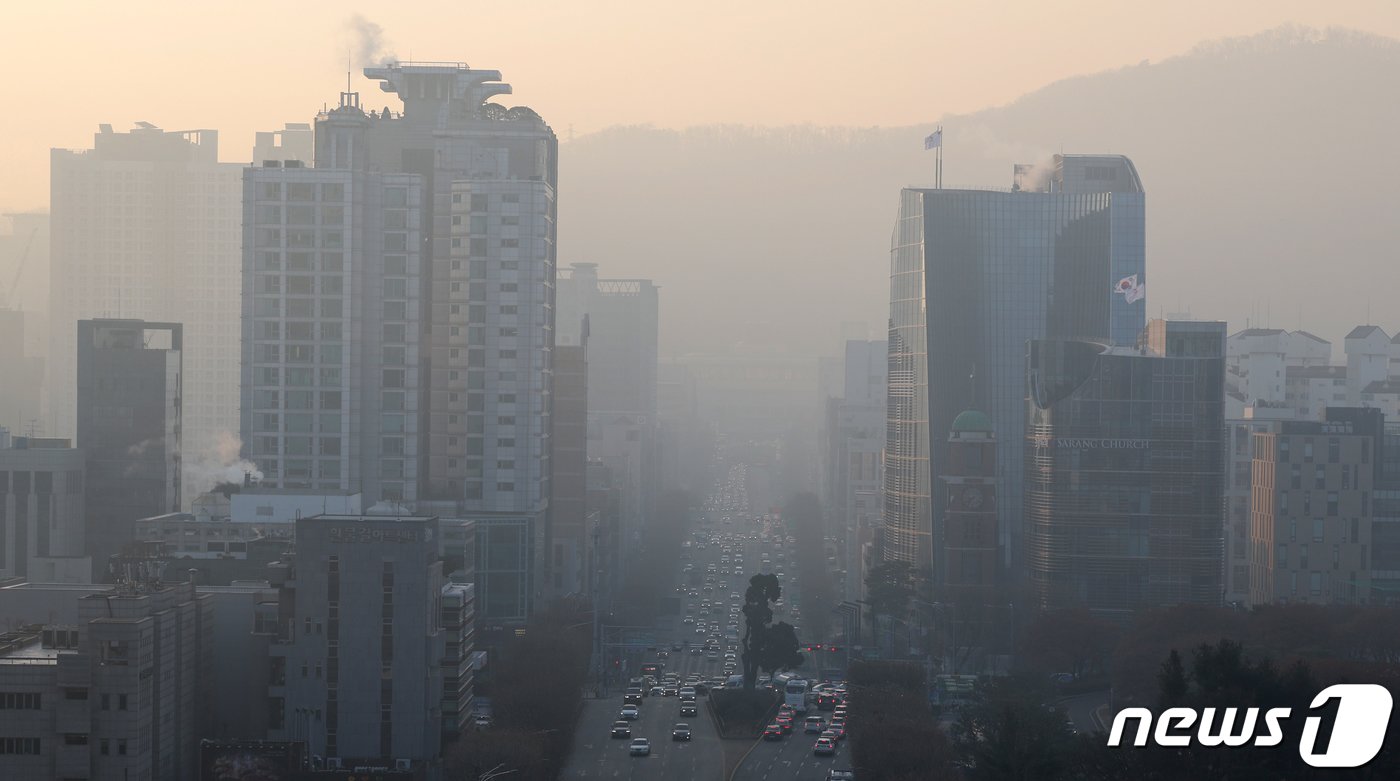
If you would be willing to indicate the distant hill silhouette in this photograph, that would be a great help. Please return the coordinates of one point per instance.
(1271, 164)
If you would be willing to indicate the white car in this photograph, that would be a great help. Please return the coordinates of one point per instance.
(641, 747)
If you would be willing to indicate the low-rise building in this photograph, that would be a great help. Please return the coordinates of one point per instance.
(119, 694)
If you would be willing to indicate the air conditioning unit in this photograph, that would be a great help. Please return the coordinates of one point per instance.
(333, 763)
(403, 764)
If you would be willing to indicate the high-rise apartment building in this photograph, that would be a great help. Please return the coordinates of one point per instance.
(333, 364)
(1124, 458)
(130, 390)
(976, 274)
(622, 323)
(459, 355)
(146, 225)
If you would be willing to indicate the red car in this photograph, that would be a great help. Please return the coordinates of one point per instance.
(773, 732)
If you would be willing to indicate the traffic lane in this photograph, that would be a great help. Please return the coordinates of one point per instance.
(1081, 708)
(789, 758)
(597, 755)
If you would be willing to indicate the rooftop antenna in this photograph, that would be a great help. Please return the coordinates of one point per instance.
(347, 69)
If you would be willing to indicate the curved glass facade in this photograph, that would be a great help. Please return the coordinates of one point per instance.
(1124, 460)
(974, 275)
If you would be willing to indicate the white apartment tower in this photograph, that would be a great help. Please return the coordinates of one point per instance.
(146, 225)
(332, 373)
(463, 237)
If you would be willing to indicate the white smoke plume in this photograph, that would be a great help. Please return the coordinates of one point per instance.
(368, 48)
(222, 464)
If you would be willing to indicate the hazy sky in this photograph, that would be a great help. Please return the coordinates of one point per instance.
(252, 65)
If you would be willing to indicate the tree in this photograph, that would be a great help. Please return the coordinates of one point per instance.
(889, 586)
(1172, 681)
(766, 646)
(1074, 641)
(1005, 733)
(896, 736)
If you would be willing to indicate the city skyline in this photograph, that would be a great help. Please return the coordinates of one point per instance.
(662, 392)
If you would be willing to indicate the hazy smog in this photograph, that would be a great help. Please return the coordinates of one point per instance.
(772, 391)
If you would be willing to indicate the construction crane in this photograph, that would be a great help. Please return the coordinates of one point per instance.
(9, 292)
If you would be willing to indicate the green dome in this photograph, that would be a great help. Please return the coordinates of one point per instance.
(972, 420)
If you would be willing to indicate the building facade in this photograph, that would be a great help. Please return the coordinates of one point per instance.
(973, 276)
(1124, 458)
(120, 694)
(131, 392)
(622, 325)
(146, 225)
(366, 604)
(333, 374)
(1316, 485)
(564, 553)
(971, 545)
(855, 444)
(42, 512)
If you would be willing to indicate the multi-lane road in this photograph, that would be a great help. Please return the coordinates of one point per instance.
(729, 548)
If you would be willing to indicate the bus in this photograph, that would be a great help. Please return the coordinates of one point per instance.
(795, 693)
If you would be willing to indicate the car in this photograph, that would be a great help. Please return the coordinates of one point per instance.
(676, 646)
(689, 709)
(657, 691)
(840, 775)
(824, 747)
(621, 729)
(813, 724)
(838, 731)
(632, 697)
(641, 747)
(670, 690)
(696, 650)
(773, 732)
(482, 721)
(688, 620)
(681, 731)
(630, 713)
(785, 709)
(785, 722)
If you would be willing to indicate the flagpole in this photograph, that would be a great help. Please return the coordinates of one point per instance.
(938, 175)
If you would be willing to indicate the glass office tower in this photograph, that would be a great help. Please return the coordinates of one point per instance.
(1125, 475)
(974, 275)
